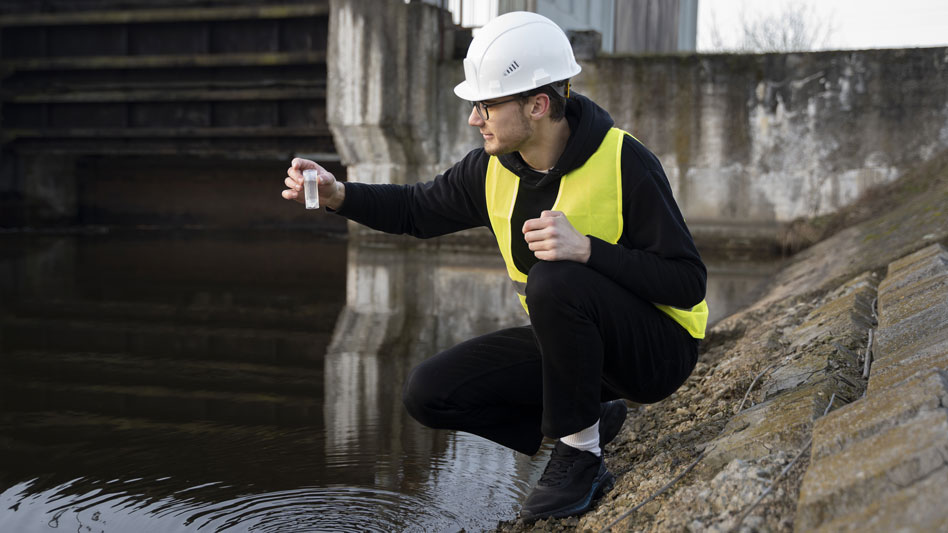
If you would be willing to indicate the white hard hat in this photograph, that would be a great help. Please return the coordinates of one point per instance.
(513, 53)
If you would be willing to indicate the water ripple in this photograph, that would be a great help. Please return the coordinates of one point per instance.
(325, 509)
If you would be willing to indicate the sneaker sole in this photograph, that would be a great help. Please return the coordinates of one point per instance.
(600, 487)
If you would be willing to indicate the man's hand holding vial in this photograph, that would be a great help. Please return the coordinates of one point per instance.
(308, 183)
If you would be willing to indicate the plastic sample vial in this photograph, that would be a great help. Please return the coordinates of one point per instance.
(310, 182)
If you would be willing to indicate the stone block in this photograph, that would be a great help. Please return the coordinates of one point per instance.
(909, 300)
(780, 424)
(926, 268)
(808, 366)
(921, 329)
(845, 314)
(894, 370)
(878, 412)
(912, 260)
(885, 352)
(919, 508)
(872, 469)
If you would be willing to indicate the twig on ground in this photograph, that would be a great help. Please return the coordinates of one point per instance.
(867, 358)
(783, 472)
(749, 389)
(691, 466)
(657, 493)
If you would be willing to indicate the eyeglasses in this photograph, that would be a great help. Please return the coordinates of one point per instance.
(482, 108)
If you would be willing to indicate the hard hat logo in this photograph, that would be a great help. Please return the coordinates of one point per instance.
(510, 70)
(514, 53)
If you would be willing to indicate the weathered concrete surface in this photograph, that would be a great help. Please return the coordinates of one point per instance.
(821, 364)
(389, 99)
(879, 412)
(780, 424)
(913, 320)
(907, 360)
(874, 461)
(749, 142)
(917, 508)
(869, 469)
(768, 138)
(896, 438)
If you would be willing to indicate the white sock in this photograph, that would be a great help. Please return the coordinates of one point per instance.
(586, 440)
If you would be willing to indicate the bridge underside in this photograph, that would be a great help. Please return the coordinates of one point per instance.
(159, 116)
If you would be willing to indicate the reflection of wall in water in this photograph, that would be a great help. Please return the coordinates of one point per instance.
(405, 304)
(734, 283)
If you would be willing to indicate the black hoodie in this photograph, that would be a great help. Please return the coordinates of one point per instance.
(655, 257)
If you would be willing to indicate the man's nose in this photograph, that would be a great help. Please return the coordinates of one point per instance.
(474, 119)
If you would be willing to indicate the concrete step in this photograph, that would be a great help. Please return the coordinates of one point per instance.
(844, 316)
(873, 469)
(876, 462)
(798, 390)
(120, 369)
(930, 352)
(909, 300)
(879, 412)
(779, 424)
(162, 339)
(913, 318)
(917, 509)
(826, 344)
(913, 297)
(921, 265)
(176, 14)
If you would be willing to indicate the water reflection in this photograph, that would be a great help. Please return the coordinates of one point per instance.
(245, 383)
(183, 382)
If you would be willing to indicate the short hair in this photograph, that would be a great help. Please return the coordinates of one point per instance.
(557, 93)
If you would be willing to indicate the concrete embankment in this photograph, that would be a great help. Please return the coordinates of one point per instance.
(786, 424)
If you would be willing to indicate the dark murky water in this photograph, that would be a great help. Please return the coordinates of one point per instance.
(232, 383)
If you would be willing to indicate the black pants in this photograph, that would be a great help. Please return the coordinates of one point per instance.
(590, 340)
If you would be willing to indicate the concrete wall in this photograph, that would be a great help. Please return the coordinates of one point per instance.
(762, 139)
(393, 117)
(748, 141)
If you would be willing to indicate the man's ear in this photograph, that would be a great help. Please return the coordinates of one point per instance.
(541, 106)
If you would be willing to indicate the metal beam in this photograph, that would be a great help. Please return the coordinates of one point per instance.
(203, 132)
(167, 95)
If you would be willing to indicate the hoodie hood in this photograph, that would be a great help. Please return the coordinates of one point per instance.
(588, 125)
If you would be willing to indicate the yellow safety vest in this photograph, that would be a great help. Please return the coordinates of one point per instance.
(591, 198)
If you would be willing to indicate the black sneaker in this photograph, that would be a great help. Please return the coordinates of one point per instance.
(573, 479)
(611, 417)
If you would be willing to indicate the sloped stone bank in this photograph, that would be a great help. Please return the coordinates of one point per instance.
(874, 461)
(778, 406)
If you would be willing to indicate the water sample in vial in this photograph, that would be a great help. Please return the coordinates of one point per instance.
(310, 182)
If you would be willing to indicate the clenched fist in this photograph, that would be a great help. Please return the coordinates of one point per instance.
(552, 238)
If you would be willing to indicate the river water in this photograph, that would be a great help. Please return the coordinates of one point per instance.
(210, 382)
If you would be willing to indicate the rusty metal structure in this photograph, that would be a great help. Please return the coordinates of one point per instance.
(182, 84)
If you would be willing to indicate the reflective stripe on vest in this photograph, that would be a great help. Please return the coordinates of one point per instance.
(591, 198)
